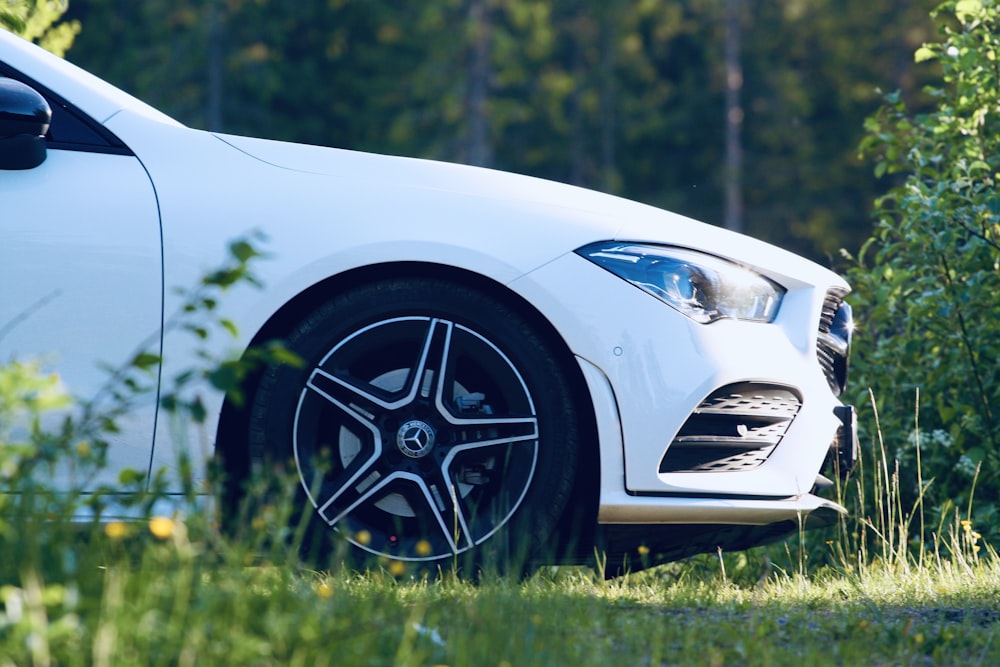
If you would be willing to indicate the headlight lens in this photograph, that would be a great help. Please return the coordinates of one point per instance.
(703, 287)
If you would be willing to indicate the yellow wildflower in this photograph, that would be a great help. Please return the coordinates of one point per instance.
(115, 530)
(161, 527)
(363, 537)
(423, 548)
(643, 550)
(397, 568)
(323, 590)
(83, 448)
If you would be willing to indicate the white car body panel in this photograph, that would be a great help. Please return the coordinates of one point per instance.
(63, 257)
(327, 211)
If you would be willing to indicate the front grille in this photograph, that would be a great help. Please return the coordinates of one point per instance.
(735, 428)
(833, 341)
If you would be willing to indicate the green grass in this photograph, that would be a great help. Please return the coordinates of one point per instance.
(875, 590)
(190, 597)
(886, 587)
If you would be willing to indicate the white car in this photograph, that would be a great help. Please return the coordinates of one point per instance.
(494, 364)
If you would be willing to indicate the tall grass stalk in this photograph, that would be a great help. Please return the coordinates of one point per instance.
(890, 531)
(920, 477)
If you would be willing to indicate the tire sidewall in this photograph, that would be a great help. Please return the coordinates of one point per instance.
(531, 532)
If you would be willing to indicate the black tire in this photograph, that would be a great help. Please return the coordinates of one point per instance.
(430, 423)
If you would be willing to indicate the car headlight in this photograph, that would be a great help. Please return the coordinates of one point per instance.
(703, 287)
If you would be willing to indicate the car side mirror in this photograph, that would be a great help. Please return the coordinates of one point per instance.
(24, 120)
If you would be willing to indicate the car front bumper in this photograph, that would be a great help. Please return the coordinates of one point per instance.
(656, 377)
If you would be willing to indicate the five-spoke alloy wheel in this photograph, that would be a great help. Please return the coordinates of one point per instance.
(429, 421)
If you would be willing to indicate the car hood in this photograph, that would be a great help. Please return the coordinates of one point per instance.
(598, 215)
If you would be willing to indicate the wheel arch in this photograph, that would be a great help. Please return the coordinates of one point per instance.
(232, 450)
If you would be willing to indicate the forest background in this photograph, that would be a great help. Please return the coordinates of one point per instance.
(740, 113)
(765, 116)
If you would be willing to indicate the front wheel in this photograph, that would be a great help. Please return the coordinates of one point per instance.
(430, 422)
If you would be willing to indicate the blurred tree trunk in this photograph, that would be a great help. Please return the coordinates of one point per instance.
(610, 179)
(734, 118)
(216, 65)
(580, 30)
(478, 140)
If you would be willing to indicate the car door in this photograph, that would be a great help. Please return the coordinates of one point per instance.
(81, 270)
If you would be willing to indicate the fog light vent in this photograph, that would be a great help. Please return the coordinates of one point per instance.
(735, 428)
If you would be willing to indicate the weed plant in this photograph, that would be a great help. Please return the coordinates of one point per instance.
(927, 281)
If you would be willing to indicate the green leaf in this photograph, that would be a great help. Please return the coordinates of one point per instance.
(198, 330)
(282, 355)
(146, 360)
(968, 9)
(924, 53)
(130, 476)
(15, 23)
(198, 411)
(230, 326)
(243, 251)
(225, 377)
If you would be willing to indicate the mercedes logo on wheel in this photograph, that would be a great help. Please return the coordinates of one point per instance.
(415, 438)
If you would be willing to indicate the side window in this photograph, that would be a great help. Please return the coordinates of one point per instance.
(70, 129)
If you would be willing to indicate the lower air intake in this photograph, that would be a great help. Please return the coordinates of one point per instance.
(735, 428)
